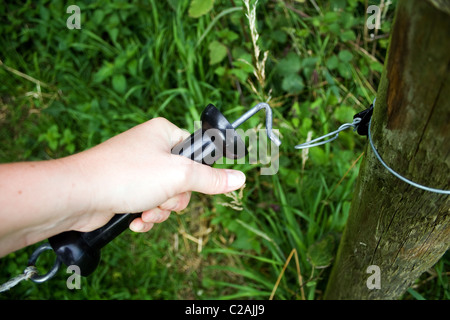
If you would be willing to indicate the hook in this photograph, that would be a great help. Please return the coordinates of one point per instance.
(269, 120)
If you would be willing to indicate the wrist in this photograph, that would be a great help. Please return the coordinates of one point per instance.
(81, 193)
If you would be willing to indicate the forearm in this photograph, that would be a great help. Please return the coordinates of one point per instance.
(40, 199)
(131, 172)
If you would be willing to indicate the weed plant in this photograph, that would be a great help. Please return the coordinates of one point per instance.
(315, 62)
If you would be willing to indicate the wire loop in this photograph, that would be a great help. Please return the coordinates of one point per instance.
(32, 262)
(317, 142)
(361, 119)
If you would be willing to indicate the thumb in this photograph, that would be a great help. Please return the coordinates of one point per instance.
(210, 180)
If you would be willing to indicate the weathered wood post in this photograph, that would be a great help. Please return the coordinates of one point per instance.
(399, 230)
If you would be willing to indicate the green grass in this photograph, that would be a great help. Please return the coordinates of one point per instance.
(63, 91)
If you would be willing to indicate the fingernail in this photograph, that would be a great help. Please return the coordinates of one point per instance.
(235, 179)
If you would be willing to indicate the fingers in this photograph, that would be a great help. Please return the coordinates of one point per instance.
(138, 225)
(155, 215)
(208, 180)
(203, 178)
(199, 177)
(177, 203)
(160, 213)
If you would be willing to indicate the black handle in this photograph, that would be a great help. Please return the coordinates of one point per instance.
(215, 139)
(83, 248)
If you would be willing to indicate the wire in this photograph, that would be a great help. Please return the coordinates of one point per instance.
(397, 174)
(315, 142)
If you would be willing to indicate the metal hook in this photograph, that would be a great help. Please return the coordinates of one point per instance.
(318, 142)
(269, 120)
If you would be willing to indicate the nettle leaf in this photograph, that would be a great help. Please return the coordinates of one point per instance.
(217, 52)
(199, 8)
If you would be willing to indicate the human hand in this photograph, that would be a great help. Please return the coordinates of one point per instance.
(136, 172)
(129, 173)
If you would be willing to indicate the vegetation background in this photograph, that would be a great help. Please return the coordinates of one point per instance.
(316, 63)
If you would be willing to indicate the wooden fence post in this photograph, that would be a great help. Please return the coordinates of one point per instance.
(395, 231)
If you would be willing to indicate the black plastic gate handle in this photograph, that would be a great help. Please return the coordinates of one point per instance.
(83, 248)
(215, 139)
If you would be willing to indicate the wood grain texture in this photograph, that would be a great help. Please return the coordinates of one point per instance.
(402, 229)
(443, 5)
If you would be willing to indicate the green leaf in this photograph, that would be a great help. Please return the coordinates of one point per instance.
(309, 62)
(68, 136)
(227, 35)
(290, 64)
(220, 71)
(98, 17)
(279, 36)
(198, 8)
(376, 66)
(415, 294)
(132, 67)
(113, 33)
(318, 156)
(344, 114)
(240, 74)
(243, 65)
(310, 284)
(330, 17)
(335, 28)
(348, 20)
(119, 83)
(332, 62)
(51, 136)
(103, 73)
(338, 4)
(217, 52)
(173, 4)
(254, 230)
(348, 35)
(344, 70)
(345, 56)
(292, 83)
(321, 253)
(120, 61)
